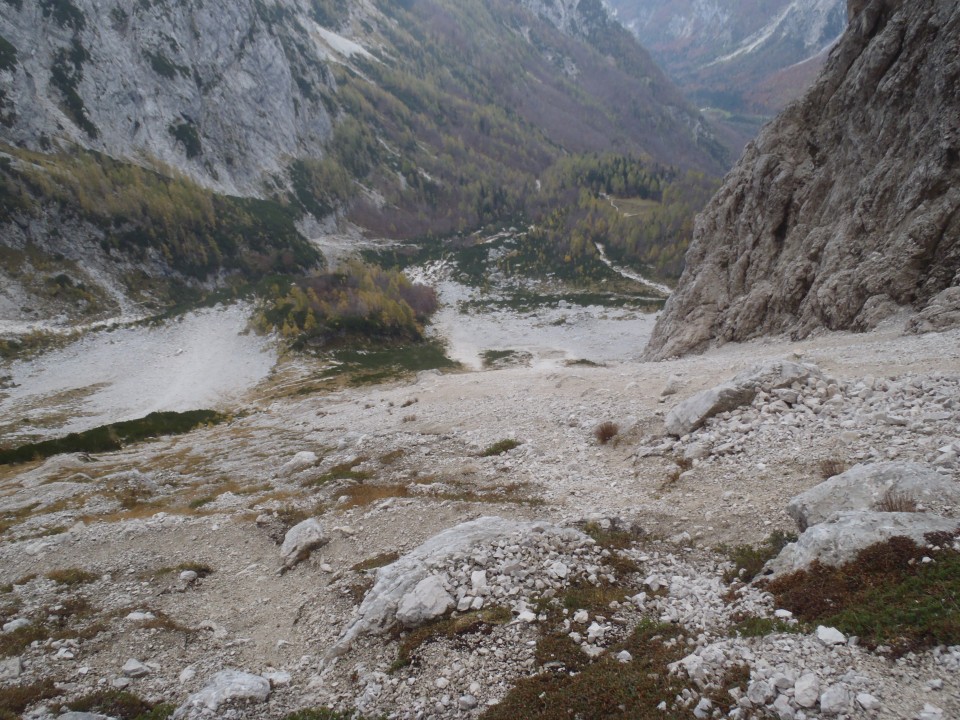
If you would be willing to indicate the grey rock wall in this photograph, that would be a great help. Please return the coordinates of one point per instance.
(847, 206)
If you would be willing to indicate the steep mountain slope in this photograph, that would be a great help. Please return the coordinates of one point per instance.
(409, 119)
(741, 57)
(847, 207)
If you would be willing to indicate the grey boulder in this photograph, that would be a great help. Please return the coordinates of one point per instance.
(226, 686)
(693, 412)
(428, 600)
(863, 487)
(838, 540)
(300, 541)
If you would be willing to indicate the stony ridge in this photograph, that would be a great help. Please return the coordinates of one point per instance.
(845, 207)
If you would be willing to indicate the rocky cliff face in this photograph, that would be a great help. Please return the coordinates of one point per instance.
(846, 207)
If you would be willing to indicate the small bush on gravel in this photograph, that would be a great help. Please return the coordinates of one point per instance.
(752, 626)
(831, 467)
(14, 642)
(72, 576)
(887, 596)
(499, 448)
(605, 432)
(376, 562)
(323, 714)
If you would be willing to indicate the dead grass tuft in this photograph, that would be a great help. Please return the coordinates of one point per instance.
(375, 562)
(362, 494)
(605, 432)
(481, 621)
(895, 501)
(831, 467)
(72, 576)
(16, 699)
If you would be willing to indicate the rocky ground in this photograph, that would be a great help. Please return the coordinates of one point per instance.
(158, 569)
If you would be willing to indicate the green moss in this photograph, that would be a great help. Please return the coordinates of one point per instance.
(749, 560)
(112, 437)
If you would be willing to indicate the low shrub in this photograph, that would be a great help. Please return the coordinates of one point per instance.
(748, 560)
(499, 448)
(605, 432)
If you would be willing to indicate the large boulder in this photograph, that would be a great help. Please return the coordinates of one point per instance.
(838, 540)
(395, 582)
(941, 313)
(864, 487)
(693, 412)
(300, 541)
(428, 600)
(226, 686)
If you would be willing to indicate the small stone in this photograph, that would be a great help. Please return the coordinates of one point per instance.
(581, 616)
(187, 674)
(120, 683)
(10, 668)
(868, 702)
(783, 614)
(478, 580)
(703, 710)
(830, 636)
(624, 656)
(278, 678)
(135, 669)
(225, 686)
(428, 600)
(188, 576)
(465, 602)
(930, 712)
(783, 708)
(141, 616)
(300, 540)
(441, 683)
(936, 684)
(760, 692)
(477, 603)
(527, 616)
(467, 702)
(595, 632)
(559, 570)
(15, 624)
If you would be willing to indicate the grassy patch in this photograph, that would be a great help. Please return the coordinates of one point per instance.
(13, 643)
(121, 705)
(72, 576)
(749, 560)
(753, 626)
(16, 699)
(894, 501)
(391, 457)
(603, 689)
(831, 467)
(613, 537)
(362, 494)
(323, 714)
(499, 448)
(107, 438)
(448, 627)
(376, 561)
(886, 596)
(343, 471)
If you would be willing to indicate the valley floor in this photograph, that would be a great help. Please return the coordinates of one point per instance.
(396, 464)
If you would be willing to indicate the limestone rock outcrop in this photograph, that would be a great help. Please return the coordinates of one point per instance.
(845, 208)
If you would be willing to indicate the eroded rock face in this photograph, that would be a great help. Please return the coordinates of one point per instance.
(845, 208)
(225, 687)
(865, 487)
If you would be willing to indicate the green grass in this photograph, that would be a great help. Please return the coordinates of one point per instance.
(886, 596)
(501, 447)
(121, 705)
(376, 365)
(448, 627)
(107, 438)
(343, 471)
(323, 714)
(753, 626)
(749, 560)
(15, 699)
(605, 689)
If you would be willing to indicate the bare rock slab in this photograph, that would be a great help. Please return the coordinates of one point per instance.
(840, 539)
(741, 390)
(428, 600)
(862, 487)
(226, 686)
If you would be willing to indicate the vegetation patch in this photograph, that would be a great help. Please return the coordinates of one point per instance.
(888, 595)
(500, 447)
(361, 494)
(604, 689)
(107, 438)
(481, 621)
(613, 537)
(748, 560)
(343, 471)
(187, 135)
(15, 642)
(121, 705)
(323, 714)
(753, 626)
(377, 561)
(356, 302)
(831, 467)
(15, 699)
(8, 55)
(64, 13)
(72, 576)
